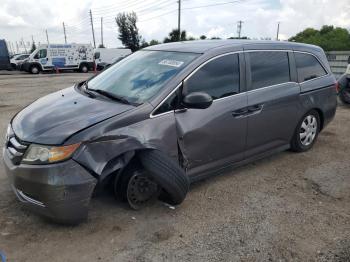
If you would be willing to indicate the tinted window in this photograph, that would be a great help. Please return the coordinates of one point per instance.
(218, 78)
(308, 67)
(269, 68)
(42, 53)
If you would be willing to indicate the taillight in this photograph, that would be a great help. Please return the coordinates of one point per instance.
(337, 87)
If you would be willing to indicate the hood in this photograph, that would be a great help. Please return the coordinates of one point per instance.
(53, 118)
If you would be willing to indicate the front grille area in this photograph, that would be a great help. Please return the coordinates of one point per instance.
(16, 149)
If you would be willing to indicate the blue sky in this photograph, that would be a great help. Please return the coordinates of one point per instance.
(214, 18)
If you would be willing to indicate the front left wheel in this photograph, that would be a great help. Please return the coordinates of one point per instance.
(135, 187)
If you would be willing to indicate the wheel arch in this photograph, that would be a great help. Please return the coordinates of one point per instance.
(321, 115)
(35, 64)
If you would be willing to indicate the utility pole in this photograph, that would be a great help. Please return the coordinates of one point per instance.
(47, 37)
(8, 44)
(12, 47)
(179, 20)
(24, 44)
(64, 31)
(102, 31)
(239, 28)
(278, 30)
(92, 28)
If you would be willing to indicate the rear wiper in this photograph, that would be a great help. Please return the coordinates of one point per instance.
(111, 95)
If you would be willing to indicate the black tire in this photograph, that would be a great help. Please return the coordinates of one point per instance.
(167, 174)
(84, 68)
(344, 96)
(296, 143)
(34, 69)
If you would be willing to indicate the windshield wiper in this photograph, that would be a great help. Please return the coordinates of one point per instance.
(111, 95)
(87, 90)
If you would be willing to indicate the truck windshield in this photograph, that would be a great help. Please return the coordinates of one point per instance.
(141, 75)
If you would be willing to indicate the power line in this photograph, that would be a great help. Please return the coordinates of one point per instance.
(190, 8)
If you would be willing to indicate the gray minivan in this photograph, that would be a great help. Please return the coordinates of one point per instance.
(164, 117)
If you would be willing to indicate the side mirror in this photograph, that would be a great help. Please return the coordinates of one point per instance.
(197, 100)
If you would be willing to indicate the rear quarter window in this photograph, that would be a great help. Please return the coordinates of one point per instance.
(308, 67)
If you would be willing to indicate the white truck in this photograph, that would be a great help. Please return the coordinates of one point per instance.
(104, 57)
(62, 57)
(17, 60)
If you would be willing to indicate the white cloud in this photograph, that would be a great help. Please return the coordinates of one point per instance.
(23, 18)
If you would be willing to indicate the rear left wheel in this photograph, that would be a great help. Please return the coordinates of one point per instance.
(306, 133)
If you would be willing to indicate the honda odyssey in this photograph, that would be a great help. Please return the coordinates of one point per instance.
(164, 117)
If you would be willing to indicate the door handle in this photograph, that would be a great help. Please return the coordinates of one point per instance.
(240, 112)
(255, 108)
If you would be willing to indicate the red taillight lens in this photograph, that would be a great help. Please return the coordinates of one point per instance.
(337, 87)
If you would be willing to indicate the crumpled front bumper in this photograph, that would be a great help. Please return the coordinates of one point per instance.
(60, 191)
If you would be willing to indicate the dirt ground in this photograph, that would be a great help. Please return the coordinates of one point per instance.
(288, 207)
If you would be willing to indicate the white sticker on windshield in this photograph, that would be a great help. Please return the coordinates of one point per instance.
(173, 63)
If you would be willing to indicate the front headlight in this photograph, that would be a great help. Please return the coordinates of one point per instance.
(39, 154)
(9, 133)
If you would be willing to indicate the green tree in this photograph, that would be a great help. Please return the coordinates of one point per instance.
(154, 42)
(33, 47)
(128, 31)
(202, 37)
(144, 43)
(174, 36)
(330, 38)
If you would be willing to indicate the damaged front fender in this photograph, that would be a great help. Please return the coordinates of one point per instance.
(107, 154)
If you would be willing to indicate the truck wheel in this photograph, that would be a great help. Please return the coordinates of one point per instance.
(167, 174)
(84, 68)
(306, 132)
(344, 95)
(34, 69)
(135, 186)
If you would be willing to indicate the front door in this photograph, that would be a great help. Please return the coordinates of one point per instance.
(212, 137)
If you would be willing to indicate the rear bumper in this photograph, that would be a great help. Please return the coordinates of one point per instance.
(59, 191)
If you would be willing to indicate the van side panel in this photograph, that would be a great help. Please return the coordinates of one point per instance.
(320, 94)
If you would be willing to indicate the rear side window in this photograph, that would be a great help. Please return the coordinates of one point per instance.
(308, 67)
(218, 78)
(269, 68)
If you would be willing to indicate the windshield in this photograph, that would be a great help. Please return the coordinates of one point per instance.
(141, 75)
